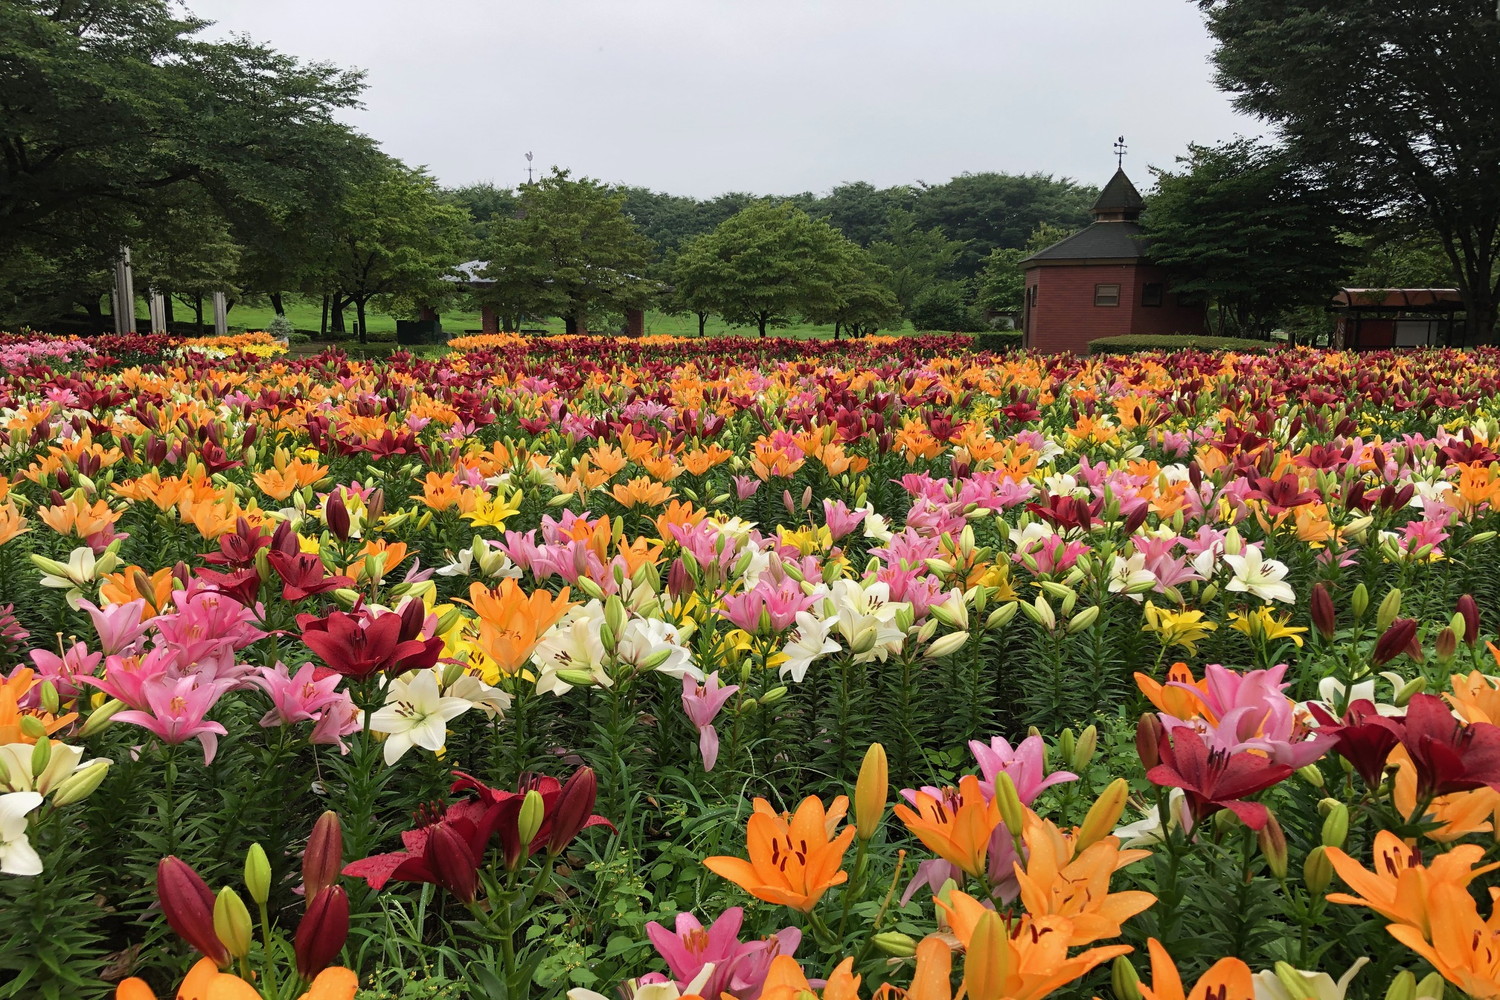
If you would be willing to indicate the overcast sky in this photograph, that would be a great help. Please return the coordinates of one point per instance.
(699, 97)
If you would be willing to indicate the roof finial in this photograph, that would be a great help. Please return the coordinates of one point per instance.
(1120, 153)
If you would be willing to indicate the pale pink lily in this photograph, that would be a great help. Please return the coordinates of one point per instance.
(339, 718)
(702, 703)
(1253, 714)
(119, 626)
(767, 606)
(177, 711)
(66, 672)
(126, 677)
(1026, 765)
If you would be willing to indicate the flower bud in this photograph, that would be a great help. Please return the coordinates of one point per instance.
(529, 819)
(1066, 744)
(258, 874)
(336, 515)
(774, 695)
(1103, 815)
(1470, 612)
(1083, 619)
(1398, 635)
(41, 753)
(1294, 981)
(1272, 842)
(577, 678)
(1149, 732)
(1311, 774)
(896, 944)
(1446, 645)
(1124, 980)
(80, 784)
(1414, 686)
(321, 935)
(324, 858)
(871, 792)
(1008, 800)
(232, 922)
(448, 856)
(1403, 987)
(1083, 752)
(1336, 826)
(50, 702)
(188, 905)
(32, 727)
(1001, 616)
(1389, 608)
(1324, 617)
(575, 804)
(1317, 871)
(1430, 987)
(1359, 600)
(944, 645)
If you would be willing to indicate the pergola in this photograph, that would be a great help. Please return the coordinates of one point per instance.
(1373, 319)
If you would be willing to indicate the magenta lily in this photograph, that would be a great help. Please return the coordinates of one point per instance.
(739, 969)
(177, 710)
(1026, 765)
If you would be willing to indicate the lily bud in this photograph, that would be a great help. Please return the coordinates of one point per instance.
(1430, 987)
(1009, 802)
(871, 792)
(1001, 616)
(945, 645)
(896, 944)
(1294, 981)
(1083, 619)
(529, 819)
(1398, 635)
(1104, 814)
(1124, 980)
(1414, 686)
(1447, 645)
(1470, 612)
(1359, 600)
(1324, 616)
(575, 803)
(324, 858)
(1389, 608)
(1403, 987)
(188, 904)
(774, 695)
(1311, 774)
(1317, 871)
(452, 861)
(41, 753)
(321, 935)
(1066, 744)
(336, 515)
(32, 726)
(80, 784)
(1336, 826)
(258, 874)
(1149, 733)
(232, 922)
(1083, 752)
(51, 704)
(1272, 842)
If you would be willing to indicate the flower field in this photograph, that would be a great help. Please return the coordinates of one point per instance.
(763, 669)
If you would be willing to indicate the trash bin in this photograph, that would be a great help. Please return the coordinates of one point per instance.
(420, 331)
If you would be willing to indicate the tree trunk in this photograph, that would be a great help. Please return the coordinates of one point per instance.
(95, 309)
(359, 318)
(570, 325)
(323, 325)
(338, 304)
(836, 327)
(761, 322)
(198, 312)
(166, 307)
(702, 323)
(276, 304)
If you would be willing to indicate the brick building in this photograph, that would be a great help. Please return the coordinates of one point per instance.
(1098, 282)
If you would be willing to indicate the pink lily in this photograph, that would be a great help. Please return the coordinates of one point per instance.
(66, 672)
(177, 710)
(702, 703)
(296, 697)
(739, 969)
(125, 677)
(1026, 765)
(774, 605)
(119, 626)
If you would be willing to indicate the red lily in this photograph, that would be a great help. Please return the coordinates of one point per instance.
(1449, 755)
(1216, 779)
(188, 904)
(302, 575)
(1361, 737)
(362, 645)
(322, 933)
(435, 858)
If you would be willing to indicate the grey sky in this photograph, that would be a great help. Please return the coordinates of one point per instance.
(699, 97)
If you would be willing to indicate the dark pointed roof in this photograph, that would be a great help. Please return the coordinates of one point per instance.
(1100, 241)
(1119, 198)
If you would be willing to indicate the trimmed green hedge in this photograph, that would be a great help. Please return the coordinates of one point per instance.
(1170, 342)
(998, 341)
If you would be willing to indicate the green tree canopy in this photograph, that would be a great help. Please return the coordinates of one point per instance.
(1243, 225)
(1398, 103)
(988, 210)
(862, 301)
(571, 252)
(916, 258)
(765, 265)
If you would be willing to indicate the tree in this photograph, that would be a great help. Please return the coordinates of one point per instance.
(571, 251)
(862, 212)
(988, 210)
(188, 253)
(764, 265)
(1002, 278)
(106, 103)
(862, 301)
(1397, 103)
(485, 204)
(393, 236)
(916, 258)
(1244, 226)
(944, 306)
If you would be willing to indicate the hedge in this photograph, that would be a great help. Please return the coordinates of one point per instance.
(1132, 343)
(998, 341)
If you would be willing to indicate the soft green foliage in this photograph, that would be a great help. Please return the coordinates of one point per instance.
(571, 250)
(1169, 342)
(916, 258)
(395, 238)
(1002, 282)
(945, 306)
(1244, 226)
(1398, 102)
(764, 265)
(863, 302)
(998, 341)
(987, 210)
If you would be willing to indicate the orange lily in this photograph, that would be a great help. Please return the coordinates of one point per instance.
(1176, 701)
(786, 981)
(133, 583)
(1226, 979)
(205, 982)
(1397, 888)
(793, 861)
(1026, 961)
(641, 490)
(957, 827)
(512, 622)
(1476, 697)
(1463, 948)
(12, 690)
(11, 523)
(1055, 881)
(76, 516)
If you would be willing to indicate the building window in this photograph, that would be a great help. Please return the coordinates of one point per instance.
(1032, 292)
(1106, 295)
(1152, 295)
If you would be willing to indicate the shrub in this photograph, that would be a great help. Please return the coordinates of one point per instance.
(1132, 343)
(280, 328)
(945, 307)
(998, 341)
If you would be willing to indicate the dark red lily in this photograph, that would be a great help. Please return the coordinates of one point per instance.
(1216, 779)
(237, 548)
(1361, 737)
(469, 823)
(188, 904)
(1399, 637)
(362, 645)
(302, 575)
(1449, 755)
(322, 933)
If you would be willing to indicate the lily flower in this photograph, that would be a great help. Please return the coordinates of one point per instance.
(1258, 576)
(1226, 979)
(1026, 765)
(205, 982)
(702, 703)
(17, 856)
(955, 824)
(792, 862)
(176, 709)
(1216, 779)
(415, 713)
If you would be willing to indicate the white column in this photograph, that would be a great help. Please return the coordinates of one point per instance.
(158, 312)
(124, 294)
(221, 315)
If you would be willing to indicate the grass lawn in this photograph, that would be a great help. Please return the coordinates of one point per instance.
(306, 315)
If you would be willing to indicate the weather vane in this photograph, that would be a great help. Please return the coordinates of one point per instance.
(528, 168)
(1120, 152)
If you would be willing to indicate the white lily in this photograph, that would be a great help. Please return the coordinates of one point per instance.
(643, 640)
(1258, 576)
(810, 641)
(16, 774)
(415, 713)
(573, 644)
(1272, 984)
(17, 856)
